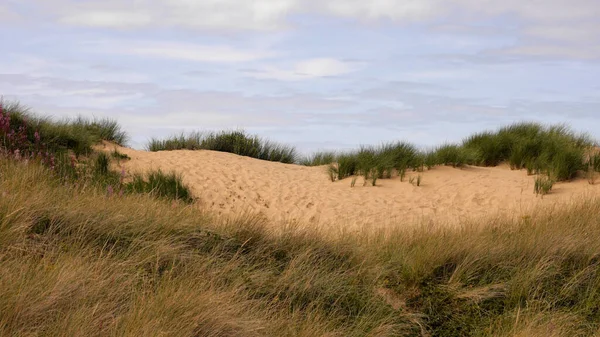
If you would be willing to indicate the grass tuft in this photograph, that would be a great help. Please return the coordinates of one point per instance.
(237, 142)
(162, 185)
(542, 185)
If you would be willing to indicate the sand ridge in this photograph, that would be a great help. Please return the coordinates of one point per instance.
(228, 184)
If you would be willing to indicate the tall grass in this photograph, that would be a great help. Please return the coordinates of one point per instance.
(556, 151)
(161, 185)
(237, 142)
(56, 145)
(553, 150)
(319, 158)
(77, 135)
(191, 141)
(84, 264)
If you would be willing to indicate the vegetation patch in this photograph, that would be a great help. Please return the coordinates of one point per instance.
(237, 142)
(163, 185)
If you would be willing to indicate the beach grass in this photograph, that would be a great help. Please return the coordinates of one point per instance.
(99, 264)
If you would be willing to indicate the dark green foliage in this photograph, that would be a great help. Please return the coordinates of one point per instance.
(554, 150)
(237, 142)
(490, 149)
(161, 185)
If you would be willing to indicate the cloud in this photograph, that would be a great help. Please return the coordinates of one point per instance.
(179, 51)
(8, 15)
(306, 69)
(109, 19)
(258, 15)
(268, 14)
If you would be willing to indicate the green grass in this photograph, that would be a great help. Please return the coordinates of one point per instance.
(455, 155)
(319, 158)
(77, 135)
(159, 184)
(554, 150)
(542, 185)
(116, 154)
(78, 262)
(237, 142)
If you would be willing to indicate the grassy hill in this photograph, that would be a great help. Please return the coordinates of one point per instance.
(77, 258)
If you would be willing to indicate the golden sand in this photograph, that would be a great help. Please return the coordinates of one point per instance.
(229, 184)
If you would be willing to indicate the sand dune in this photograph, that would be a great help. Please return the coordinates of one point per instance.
(229, 184)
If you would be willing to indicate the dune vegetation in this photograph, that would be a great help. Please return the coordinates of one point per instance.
(85, 251)
(555, 151)
(237, 142)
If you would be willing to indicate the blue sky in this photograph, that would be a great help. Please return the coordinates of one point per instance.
(318, 74)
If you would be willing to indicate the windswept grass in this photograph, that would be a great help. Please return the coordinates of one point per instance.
(79, 262)
(77, 135)
(24, 138)
(556, 151)
(191, 141)
(237, 142)
(553, 150)
(454, 155)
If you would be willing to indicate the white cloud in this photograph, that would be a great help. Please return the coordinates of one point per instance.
(306, 69)
(270, 14)
(109, 19)
(557, 22)
(548, 50)
(205, 14)
(181, 51)
(405, 10)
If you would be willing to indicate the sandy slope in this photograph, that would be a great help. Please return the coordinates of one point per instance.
(228, 184)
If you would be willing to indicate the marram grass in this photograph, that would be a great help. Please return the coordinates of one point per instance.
(77, 262)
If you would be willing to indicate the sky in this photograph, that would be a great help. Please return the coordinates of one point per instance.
(318, 74)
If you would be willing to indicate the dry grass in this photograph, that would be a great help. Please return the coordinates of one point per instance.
(79, 263)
